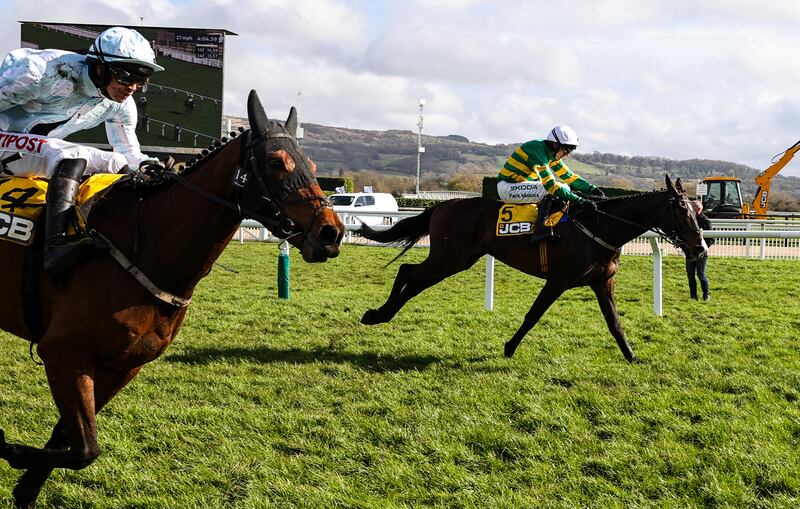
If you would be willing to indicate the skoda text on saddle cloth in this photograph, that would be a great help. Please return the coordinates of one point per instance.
(527, 191)
(41, 154)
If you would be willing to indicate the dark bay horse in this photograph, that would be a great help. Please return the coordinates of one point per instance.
(585, 254)
(99, 323)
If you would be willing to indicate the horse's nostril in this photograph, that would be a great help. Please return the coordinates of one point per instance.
(328, 234)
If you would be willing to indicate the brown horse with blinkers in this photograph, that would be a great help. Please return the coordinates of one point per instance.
(98, 324)
(586, 253)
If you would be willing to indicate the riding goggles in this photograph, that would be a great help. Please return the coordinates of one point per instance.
(127, 78)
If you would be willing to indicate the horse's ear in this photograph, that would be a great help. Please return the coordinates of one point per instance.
(256, 114)
(670, 187)
(679, 185)
(291, 122)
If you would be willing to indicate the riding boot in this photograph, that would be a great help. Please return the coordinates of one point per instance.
(540, 231)
(61, 252)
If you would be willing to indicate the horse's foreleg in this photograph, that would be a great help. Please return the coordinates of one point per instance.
(608, 305)
(73, 393)
(411, 280)
(375, 316)
(31, 482)
(544, 300)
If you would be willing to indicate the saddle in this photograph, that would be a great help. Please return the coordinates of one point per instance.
(520, 218)
(22, 200)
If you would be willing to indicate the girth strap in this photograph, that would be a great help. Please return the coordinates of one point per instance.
(543, 256)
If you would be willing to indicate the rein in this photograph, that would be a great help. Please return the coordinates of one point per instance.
(671, 238)
(245, 173)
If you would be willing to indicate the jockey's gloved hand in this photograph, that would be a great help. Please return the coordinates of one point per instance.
(152, 167)
(598, 193)
(588, 204)
(168, 162)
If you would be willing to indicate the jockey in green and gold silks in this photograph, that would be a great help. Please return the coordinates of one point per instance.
(537, 166)
(536, 170)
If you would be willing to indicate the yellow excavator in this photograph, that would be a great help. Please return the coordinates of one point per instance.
(723, 198)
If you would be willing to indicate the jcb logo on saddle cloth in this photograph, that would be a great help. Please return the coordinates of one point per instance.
(16, 229)
(516, 219)
(514, 228)
(22, 200)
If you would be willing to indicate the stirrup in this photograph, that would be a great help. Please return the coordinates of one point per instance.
(545, 233)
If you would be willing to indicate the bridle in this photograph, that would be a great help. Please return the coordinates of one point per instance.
(672, 238)
(263, 201)
(255, 199)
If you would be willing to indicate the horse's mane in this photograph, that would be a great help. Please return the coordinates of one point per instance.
(629, 196)
(128, 185)
(210, 152)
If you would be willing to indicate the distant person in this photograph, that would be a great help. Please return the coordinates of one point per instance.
(144, 122)
(188, 104)
(699, 266)
(46, 95)
(528, 176)
(178, 131)
(141, 104)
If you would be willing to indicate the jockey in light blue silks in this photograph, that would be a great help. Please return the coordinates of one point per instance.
(46, 95)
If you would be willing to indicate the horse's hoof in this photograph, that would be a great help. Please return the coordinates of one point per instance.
(5, 448)
(24, 500)
(371, 317)
(509, 349)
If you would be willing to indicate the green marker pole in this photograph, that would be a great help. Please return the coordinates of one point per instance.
(283, 271)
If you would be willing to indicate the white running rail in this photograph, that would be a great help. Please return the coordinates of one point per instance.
(734, 238)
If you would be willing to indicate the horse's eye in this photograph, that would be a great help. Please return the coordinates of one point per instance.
(275, 164)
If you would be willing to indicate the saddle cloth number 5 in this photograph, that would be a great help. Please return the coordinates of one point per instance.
(514, 219)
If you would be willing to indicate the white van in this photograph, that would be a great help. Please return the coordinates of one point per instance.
(350, 205)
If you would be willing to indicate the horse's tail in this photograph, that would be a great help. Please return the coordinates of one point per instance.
(404, 233)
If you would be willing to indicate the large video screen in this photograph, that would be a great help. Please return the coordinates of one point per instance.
(182, 105)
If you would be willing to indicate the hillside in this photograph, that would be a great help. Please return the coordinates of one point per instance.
(339, 151)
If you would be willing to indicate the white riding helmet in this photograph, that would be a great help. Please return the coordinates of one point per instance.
(124, 46)
(563, 135)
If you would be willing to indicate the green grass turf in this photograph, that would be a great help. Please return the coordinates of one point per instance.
(265, 403)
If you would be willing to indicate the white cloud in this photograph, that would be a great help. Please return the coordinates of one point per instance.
(674, 78)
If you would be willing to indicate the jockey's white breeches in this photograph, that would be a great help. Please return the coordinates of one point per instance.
(529, 191)
(41, 155)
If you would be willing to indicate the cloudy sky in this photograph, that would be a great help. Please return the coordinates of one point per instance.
(716, 79)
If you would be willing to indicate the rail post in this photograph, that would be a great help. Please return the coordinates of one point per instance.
(488, 293)
(657, 279)
(283, 271)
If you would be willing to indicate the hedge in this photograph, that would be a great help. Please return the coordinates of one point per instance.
(331, 183)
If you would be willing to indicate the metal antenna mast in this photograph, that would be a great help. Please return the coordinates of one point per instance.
(420, 148)
(300, 132)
